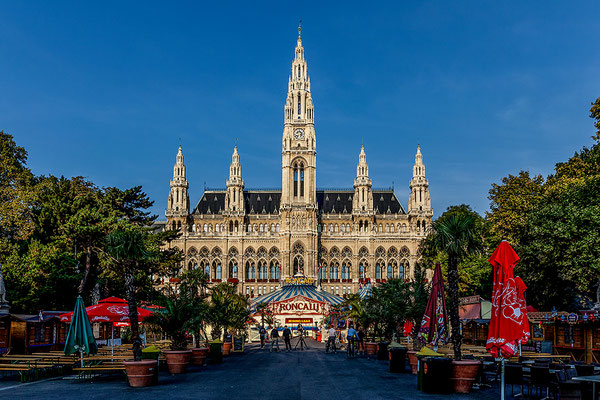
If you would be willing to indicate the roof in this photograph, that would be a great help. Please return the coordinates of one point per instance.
(329, 201)
(291, 291)
(365, 291)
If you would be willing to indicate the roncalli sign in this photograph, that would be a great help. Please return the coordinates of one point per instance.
(299, 305)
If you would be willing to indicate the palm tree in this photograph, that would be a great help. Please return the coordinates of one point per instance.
(128, 248)
(227, 309)
(456, 236)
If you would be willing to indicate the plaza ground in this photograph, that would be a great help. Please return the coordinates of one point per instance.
(257, 374)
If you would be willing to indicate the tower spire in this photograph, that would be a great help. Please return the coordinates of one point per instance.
(234, 202)
(179, 202)
(419, 202)
(363, 196)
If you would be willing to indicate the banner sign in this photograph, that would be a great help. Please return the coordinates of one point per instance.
(294, 321)
(298, 280)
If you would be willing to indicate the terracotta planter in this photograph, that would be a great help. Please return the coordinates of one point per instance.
(463, 375)
(177, 360)
(140, 373)
(227, 348)
(371, 348)
(413, 361)
(199, 355)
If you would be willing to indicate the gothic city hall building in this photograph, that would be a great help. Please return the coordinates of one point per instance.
(339, 238)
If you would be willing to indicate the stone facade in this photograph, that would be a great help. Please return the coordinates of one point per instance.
(339, 237)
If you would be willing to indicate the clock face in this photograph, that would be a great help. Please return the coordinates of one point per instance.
(298, 134)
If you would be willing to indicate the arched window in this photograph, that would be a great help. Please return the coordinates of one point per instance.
(345, 271)
(207, 270)
(392, 228)
(361, 271)
(233, 269)
(390, 271)
(218, 272)
(296, 180)
(298, 264)
(274, 270)
(301, 180)
(401, 272)
(377, 271)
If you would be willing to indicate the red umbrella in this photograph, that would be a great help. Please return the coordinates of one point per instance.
(508, 310)
(111, 309)
(521, 287)
(434, 326)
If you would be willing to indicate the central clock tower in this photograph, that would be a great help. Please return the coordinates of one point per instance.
(298, 178)
(298, 205)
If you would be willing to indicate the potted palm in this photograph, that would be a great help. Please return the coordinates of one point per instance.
(227, 310)
(456, 236)
(175, 320)
(128, 249)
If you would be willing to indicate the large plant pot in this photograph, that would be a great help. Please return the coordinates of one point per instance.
(199, 355)
(140, 373)
(227, 348)
(371, 348)
(413, 361)
(177, 360)
(463, 375)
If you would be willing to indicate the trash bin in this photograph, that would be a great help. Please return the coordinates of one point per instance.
(398, 359)
(382, 351)
(420, 370)
(437, 372)
(152, 353)
(216, 352)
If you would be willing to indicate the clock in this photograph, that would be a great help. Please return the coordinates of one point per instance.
(299, 134)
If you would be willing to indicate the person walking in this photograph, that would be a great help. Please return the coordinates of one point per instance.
(287, 334)
(361, 340)
(263, 334)
(331, 335)
(274, 339)
(352, 336)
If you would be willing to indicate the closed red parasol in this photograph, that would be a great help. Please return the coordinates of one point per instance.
(521, 288)
(434, 326)
(509, 316)
(111, 309)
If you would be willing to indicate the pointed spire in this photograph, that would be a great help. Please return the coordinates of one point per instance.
(300, 31)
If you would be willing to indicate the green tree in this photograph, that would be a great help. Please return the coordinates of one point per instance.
(510, 204)
(457, 237)
(227, 310)
(595, 114)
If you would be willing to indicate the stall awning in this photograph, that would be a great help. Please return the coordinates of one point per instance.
(287, 292)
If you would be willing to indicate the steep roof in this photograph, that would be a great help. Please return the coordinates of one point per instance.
(329, 201)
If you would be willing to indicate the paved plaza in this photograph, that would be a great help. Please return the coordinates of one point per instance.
(257, 374)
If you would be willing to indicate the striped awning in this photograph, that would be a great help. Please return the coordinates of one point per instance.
(291, 291)
(365, 291)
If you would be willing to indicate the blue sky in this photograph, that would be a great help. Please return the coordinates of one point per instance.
(106, 90)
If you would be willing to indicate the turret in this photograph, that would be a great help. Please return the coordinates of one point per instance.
(178, 204)
(234, 201)
(419, 202)
(362, 202)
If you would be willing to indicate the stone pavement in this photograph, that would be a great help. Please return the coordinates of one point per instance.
(257, 374)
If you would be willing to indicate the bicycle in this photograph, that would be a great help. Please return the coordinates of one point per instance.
(350, 350)
(330, 345)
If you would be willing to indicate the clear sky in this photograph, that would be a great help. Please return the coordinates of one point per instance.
(106, 90)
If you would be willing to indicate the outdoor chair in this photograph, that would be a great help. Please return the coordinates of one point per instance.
(513, 375)
(571, 373)
(489, 372)
(540, 379)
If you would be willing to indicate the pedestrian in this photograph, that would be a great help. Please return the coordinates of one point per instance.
(263, 334)
(361, 340)
(274, 339)
(331, 335)
(352, 336)
(287, 334)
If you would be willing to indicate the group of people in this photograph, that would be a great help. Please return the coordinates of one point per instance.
(274, 333)
(355, 339)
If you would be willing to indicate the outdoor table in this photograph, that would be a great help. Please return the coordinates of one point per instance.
(593, 379)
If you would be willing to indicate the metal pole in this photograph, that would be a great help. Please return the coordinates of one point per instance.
(502, 379)
(112, 342)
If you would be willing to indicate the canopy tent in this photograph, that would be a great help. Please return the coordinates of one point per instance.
(365, 290)
(289, 292)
